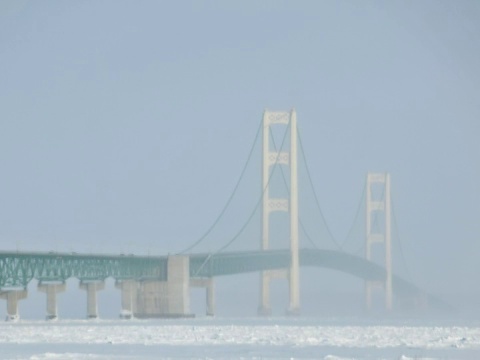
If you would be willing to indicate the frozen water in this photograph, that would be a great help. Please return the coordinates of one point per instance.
(234, 338)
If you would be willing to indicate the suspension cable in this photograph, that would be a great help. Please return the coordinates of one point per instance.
(362, 197)
(310, 240)
(316, 198)
(332, 238)
(375, 218)
(237, 235)
(402, 255)
(302, 226)
(197, 242)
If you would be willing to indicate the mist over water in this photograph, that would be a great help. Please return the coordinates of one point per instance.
(135, 128)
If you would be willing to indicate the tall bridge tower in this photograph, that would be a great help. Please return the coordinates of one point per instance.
(271, 158)
(378, 232)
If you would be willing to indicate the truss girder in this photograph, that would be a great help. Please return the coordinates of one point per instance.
(18, 269)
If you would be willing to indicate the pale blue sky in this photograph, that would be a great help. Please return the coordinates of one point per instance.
(124, 124)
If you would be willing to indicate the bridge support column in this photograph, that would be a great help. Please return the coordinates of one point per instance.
(169, 298)
(13, 297)
(51, 289)
(152, 299)
(264, 308)
(290, 205)
(92, 287)
(209, 285)
(178, 281)
(379, 233)
(294, 273)
(211, 298)
(128, 290)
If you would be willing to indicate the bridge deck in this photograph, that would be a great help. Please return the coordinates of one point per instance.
(18, 269)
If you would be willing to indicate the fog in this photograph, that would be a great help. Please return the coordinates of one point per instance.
(125, 126)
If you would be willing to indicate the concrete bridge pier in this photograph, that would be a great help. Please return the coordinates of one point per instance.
(264, 308)
(128, 290)
(211, 298)
(13, 297)
(92, 287)
(178, 283)
(152, 299)
(167, 298)
(209, 286)
(51, 289)
(265, 278)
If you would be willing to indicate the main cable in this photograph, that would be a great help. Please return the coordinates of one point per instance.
(402, 255)
(310, 240)
(237, 235)
(342, 247)
(302, 226)
(197, 242)
(332, 238)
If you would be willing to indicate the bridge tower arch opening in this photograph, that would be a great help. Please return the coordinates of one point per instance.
(272, 158)
(378, 232)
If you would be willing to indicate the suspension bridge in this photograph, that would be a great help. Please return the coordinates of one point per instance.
(158, 286)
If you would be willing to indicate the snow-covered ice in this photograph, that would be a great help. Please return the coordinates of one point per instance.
(234, 338)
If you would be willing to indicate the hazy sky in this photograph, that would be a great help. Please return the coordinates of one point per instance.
(124, 125)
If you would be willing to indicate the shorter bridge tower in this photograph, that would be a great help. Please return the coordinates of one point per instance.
(377, 233)
(270, 158)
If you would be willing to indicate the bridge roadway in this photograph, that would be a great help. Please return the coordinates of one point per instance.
(17, 269)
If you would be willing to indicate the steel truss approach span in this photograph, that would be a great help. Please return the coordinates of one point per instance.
(18, 269)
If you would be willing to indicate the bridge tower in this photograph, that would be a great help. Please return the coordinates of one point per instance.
(379, 233)
(269, 205)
